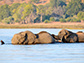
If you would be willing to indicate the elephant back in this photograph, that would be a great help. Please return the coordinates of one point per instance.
(45, 37)
(80, 36)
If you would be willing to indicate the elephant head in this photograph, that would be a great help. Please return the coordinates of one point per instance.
(26, 37)
(67, 36)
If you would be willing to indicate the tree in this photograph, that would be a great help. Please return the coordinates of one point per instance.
(40, 10)
(58, 11)
(13, 7)
(35, 1)
(4, 11)
(56, 3)
(29, 13)
(8, 20)
(18, 12)
(80, 15)
(74, 7)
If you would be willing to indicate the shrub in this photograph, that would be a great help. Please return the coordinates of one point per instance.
(8, 20)
(46, 21)
(76, 20)
(5, 20)
(57, 20)
(83, 19)
(62, 20)
(52, 19)
(68, 19)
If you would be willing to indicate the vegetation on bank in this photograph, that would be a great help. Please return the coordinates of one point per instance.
(56, 10)
(42, 26)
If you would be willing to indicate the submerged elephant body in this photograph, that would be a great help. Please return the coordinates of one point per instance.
(27, 38)
(67, 36)
(70, 37)
(45, 37)
(80, 36)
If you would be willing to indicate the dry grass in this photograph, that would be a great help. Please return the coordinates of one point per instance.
(43, 25)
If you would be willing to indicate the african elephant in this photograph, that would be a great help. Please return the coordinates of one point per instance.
(67, 36)
(80, 36)
(27, 38)
(44, 37)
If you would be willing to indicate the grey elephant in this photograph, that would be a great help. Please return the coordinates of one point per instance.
(67, 36)
(28, 38)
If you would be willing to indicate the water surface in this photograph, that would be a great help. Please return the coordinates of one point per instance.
(40, 53)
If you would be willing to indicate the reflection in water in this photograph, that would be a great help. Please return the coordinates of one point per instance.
(41, 53)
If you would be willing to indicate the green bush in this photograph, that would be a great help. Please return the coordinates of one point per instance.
(52, 19)
(17, 21)
(83, 19)
(75, 20)
(6, 20)
(46, 21)
(68, 19)
(62, 20)
(57, 20)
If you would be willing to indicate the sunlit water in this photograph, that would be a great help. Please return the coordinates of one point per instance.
(41, 53)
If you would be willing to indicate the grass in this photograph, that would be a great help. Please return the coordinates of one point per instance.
(42, 26)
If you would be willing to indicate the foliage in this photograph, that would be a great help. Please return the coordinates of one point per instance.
(46, 21)
(80, 15)
(35, 1)
(13, 7)
(8, 20)
(62, 20)
(57, 20)
(29, 13)
(75, 20)
(4, 11)
(52, 19)
(27, 10)
(68, 19)
(46, 17)
(56, 3)
(74, 7)
(40, 10)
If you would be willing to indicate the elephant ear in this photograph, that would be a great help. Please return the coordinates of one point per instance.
(62, 33)
(70, 39)
(68, 33)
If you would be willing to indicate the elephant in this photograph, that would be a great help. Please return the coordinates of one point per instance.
(80, 36)
(57, 39)
(28, 38)
(25, 38)
(67, 36)
(44, 37)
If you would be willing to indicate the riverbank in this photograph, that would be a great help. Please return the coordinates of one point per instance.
(67, 25)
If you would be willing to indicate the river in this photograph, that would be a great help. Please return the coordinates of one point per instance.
(39, 53)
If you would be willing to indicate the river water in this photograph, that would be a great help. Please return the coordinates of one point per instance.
(40, 53)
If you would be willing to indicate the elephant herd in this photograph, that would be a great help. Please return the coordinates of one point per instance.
(43, 37)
